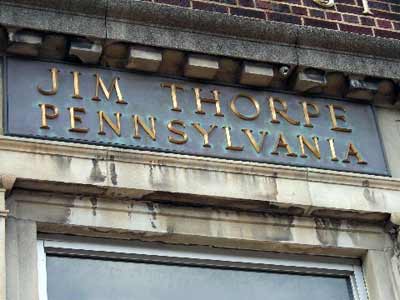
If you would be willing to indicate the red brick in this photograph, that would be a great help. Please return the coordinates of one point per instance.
(384, 24)
(358, 10)
(278, 17)
(351, 19)
(294, 2)
(246, 3)
(387, 34)
(316, 13)
(386, 15)
(396, 26)
(333, 16)
(378, 5)
(279, 7)
(184, 3)
(395, 8)
(356, 29)
(320, 23)
(299, 10)
(367, 21)
(251, 13)
(210, 7)
(263, 4)
(350, 2)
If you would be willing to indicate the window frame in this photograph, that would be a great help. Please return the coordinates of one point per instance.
(154, 252)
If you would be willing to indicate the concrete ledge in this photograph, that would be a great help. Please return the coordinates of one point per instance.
(129, 219)
(140, 175)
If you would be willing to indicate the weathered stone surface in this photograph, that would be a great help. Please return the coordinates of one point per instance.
(252, 184)
(310, 80)
(361, 89)
(386, 94)
(228, 71)
(87, 52)
(389, 124)
(173, 62)
(83, 18)
(257, 74)
(166, 222)
(377, 277)
(54, 46)
(336, 84)
(24, 42)
(115, 55)
(201, 66)
(144, 58)
(21, 259)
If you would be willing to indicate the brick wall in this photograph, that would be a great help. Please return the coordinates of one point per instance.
(347, 15)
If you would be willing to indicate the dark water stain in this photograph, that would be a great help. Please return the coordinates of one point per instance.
(93, 200)
(113, 173)
(63, 162)
(327, 230)
(96, 175)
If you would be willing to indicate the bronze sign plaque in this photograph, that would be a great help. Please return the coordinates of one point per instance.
(142, 111)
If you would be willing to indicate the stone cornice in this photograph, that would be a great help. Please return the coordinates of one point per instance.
(139, 21)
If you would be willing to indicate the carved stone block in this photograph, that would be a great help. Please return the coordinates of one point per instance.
(88, 52)
(144, 58)
(310, 80)
(257, 74)
(361, 89)
(24, 43)
(201, 66)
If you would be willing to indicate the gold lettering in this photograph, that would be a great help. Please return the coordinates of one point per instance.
(174, 87)
(308, 114)
(75, 76)
(151, 132)
(352, 151)
(331, 142)
(181, 133)
(54, 84)
(204, 133)
(46, 115)
(107, 92)
(281, 112)
(239, 114)
(314, 149)
(229, 145)
(73, 119)
(215, 101)
(115, 127)
(335, 117)
(257, 146)
(281, 143)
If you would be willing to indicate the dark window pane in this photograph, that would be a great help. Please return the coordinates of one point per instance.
(94, 279)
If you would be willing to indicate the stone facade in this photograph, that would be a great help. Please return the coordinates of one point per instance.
(59, 188)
